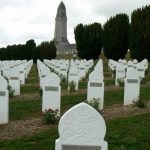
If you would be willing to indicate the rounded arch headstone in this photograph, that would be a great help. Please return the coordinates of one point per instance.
(51, 96)
(95, 90)
(81, 127)
(132, 86)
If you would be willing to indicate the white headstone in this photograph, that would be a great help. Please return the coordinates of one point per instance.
(14, 81)
(51, 93)
(120, 73)
(73, 76)
(132, 86)
(96, 88)
(81, 128)
(141, 70)
(82, 71)
(22, 73)
(4, 101)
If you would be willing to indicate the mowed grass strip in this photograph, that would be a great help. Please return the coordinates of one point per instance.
(25, 109)
(21, 110)
(32, 81)
(42, 141)
(26, 89)
(132, 133)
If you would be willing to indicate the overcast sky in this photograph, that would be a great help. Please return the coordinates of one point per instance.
(21, 20)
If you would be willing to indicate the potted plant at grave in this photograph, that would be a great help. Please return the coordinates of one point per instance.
(72, 86)
(11, 91)
(50, 116)
(139, 103)
(63, 79)
(121, 82)
(95, 103)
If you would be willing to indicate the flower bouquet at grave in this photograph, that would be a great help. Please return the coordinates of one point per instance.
(50, 116)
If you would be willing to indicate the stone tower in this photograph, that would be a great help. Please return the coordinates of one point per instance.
(60, 35)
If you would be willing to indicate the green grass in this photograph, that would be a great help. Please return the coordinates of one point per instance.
(29, 89)
(31, 80)
(69, 101)
(145, 93)
(42, 141)
(64, 85)
(130, 133)
(115, 97)
(23, 109)
(109, 82)
(83, 85)
(20, 110)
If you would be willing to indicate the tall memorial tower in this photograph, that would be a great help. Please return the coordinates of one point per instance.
(60, 35)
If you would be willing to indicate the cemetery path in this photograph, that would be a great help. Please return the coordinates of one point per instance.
(20, 128)
(25, 97)
(120, 111)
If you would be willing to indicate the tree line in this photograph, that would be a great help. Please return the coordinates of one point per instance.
(116, 37)
(46, 50)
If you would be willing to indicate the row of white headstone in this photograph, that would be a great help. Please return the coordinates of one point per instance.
(95, 89)
(16, 72)
(50, 81)
(72, 71)
(131, 73)
(14, 81)
(122, 66)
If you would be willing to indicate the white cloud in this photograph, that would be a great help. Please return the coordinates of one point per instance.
(35, 19)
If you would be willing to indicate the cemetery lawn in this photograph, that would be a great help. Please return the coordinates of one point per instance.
(130, 133)
(128, 128)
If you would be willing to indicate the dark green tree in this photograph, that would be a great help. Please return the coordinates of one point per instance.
(79, 32)
(29, 47)
(47, 50)
(89, 40)
(53, 50)
(140, 34)
(115, 37)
